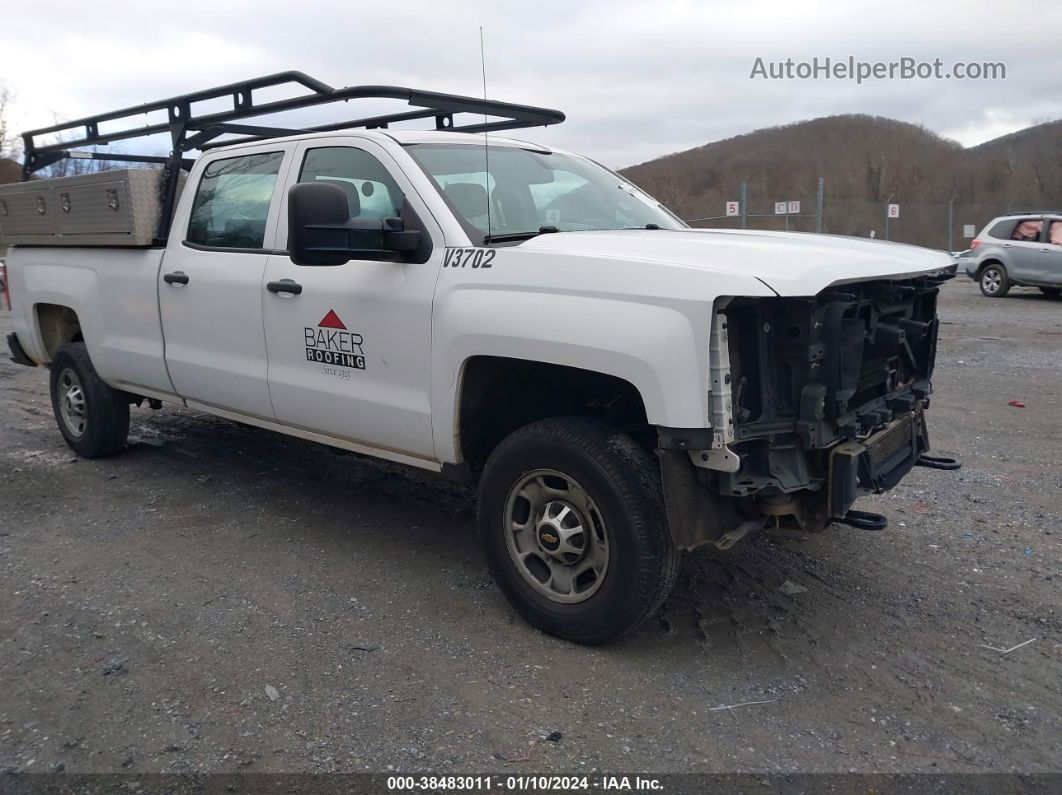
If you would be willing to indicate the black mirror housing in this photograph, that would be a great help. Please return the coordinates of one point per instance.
(311, 205)
(322, 233)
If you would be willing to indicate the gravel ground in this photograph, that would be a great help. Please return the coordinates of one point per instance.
(220, 598)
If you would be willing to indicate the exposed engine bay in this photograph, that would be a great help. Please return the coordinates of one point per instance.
(816, 401)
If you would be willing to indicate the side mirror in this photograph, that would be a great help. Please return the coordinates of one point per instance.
(321, 231)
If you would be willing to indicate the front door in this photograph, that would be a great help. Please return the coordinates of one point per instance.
(211, 284)
(349, 353)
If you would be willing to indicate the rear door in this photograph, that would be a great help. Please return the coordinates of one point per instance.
(349, 354)
(1049, 272)
(211, 281)
(1022, 251)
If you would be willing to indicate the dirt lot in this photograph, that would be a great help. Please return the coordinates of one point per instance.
(220, 598)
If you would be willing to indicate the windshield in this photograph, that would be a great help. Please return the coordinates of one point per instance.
(535, 191)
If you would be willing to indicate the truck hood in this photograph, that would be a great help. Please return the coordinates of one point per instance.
(790, 263)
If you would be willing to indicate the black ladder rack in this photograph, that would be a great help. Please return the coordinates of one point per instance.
(189, 130)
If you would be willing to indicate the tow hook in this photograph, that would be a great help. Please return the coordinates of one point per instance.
(864, 520)
(727, 540)
(938, 462)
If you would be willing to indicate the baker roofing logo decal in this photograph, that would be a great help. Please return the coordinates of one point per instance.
(331, 343)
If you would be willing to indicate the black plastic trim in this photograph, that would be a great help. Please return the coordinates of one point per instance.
(18, 355)
(684, 438)
(287, 286)
(225, 250)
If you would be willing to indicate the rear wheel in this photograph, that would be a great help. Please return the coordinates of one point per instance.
(1051, 291)
(571, 517)
(993, 280)
(93, 418)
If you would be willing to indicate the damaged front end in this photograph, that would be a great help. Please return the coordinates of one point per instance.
(815, 402)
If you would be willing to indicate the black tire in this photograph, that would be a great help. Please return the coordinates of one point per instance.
(1051, 291)
(622, 482)
(101, 413)
(993, 280)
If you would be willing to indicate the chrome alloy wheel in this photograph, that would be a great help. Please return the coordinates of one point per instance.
(556, 536)
(991, 280)
(72, 406)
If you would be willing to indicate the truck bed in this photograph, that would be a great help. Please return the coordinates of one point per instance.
(126, 346)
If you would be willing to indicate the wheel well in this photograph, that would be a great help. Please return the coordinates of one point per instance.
(986, 263)
(499, 395)
(59, 325)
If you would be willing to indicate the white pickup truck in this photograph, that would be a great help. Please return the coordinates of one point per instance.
(618, 386)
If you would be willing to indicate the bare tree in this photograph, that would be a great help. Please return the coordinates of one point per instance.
(71, 167)
(671, 191)
(10, 143)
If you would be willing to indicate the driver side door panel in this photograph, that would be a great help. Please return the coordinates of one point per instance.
(349, 355)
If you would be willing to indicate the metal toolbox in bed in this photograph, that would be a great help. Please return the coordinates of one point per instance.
(106, 208)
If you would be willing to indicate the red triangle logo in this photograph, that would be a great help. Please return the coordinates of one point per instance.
(331, 320)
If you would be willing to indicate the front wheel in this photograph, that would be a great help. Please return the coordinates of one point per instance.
(994, 282)
(571, 516)
(93, 418)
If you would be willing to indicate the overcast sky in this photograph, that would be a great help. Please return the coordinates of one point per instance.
(636, 80)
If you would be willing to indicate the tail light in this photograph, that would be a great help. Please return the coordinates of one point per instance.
(974, 244)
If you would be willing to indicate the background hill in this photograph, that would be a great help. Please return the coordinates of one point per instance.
(864, 161)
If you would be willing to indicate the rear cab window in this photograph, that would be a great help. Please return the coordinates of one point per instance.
(232, 201)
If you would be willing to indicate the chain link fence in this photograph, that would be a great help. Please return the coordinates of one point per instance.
(946, 225)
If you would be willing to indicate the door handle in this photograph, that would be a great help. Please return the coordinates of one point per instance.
(177, 277)
(1006, 245)
(285, 286)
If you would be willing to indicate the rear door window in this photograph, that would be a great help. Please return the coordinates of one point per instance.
(232, 201)
(1054, 233)
(1028, 230)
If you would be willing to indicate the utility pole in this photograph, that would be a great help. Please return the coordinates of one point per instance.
(744, 205)
(951, 222)
(818, 207)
